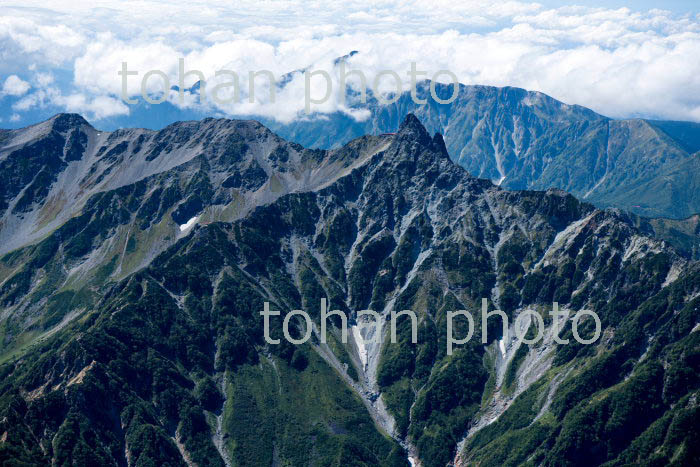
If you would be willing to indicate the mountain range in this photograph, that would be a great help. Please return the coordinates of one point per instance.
(520, 139)
(134, 265)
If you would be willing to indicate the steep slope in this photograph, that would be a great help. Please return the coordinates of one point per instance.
(107, 207)
(170, 366)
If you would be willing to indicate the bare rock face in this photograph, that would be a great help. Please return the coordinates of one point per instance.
(132, 332)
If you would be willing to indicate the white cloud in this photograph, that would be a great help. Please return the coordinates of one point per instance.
(619, 62)
(97, 108)
(15, 86)
(25, 36)
(47, 94)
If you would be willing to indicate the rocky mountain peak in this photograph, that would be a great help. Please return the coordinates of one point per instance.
(414, 153)
(412, 128)
(65, 121)
(412, 133)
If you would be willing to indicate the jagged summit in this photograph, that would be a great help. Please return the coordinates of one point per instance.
(411, 122)
(412, 129)
(414, 153)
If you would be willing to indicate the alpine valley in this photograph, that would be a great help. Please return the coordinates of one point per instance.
(135, 263)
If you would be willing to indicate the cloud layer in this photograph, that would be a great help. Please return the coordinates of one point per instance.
(619, 62)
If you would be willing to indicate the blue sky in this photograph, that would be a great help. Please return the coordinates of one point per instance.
(622, 59)
(676, 6)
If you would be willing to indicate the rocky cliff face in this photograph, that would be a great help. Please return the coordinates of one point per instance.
(132, 332)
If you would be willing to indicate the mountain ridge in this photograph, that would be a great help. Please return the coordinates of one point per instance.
(523, 139)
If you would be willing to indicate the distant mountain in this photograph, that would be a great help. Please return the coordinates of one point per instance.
(140, 261)
(528, 140)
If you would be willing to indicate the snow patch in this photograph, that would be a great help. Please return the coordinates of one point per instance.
(673, 274)
(360, 342)
(188, 224)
